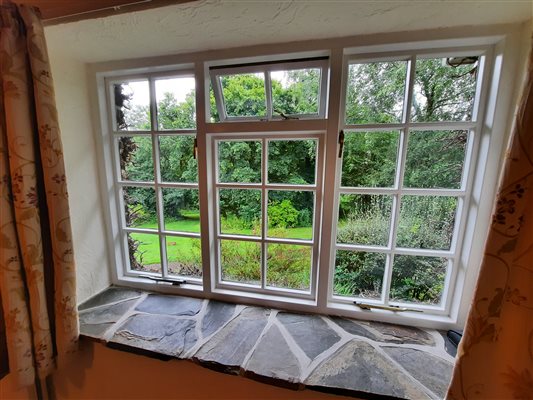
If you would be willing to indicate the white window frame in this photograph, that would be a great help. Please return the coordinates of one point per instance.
(215, 72)
(463, 194)
(492, 129)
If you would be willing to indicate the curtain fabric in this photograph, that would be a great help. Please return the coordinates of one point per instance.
(495, 356)
(37, 273)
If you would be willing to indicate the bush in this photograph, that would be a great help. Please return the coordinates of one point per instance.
(282, 215)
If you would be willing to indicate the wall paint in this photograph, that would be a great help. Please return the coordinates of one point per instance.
(89, 231)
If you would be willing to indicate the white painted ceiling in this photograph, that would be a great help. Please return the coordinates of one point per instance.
(215, 24)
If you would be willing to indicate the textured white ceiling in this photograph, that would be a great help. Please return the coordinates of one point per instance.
(215, 24)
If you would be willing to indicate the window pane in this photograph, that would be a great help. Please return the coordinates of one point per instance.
(295, 91)
(364, 219)
(426, 222)
(176, 103)
(240, 261)
(292, 161)
(418, 279)
(132, 106)
(239, 161)
(244, 95)
(443, 92)
(176, 159)
(135, 158)
(375, 92)
(359, 274)
(290, 214)
(289, 266)
(144, 252)
(240, 211)
(140, 207)
(435, 159)
(181, 210)
(184, 256)
(369, 159)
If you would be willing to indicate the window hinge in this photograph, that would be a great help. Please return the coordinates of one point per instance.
(173, 282)
(369, 307)
(195, 149)
(341, 143)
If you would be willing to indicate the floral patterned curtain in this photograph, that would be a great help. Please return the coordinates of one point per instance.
(37, 273)
(495, 357)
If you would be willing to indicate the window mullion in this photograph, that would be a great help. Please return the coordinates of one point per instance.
(264, 217)
(268, 95)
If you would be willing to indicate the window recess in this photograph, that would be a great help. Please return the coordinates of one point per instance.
(269, 91)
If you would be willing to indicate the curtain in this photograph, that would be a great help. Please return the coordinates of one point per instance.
(495, 356)
(37, 273)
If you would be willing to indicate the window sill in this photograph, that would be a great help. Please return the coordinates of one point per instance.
(329, 354)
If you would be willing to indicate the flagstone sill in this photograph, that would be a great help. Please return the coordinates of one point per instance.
(331, 354)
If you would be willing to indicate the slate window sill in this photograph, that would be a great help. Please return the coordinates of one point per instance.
(329, 354)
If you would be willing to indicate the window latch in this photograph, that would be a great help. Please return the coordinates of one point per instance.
(173, 282)
(195, 149)
(369, 307)
(341, 143)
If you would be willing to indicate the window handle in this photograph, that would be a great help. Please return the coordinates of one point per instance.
(195, 149)
(369, 307)
(341, 143)
(173, 282)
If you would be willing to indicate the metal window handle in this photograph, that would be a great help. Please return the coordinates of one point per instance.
(341, 143)
(369, 307)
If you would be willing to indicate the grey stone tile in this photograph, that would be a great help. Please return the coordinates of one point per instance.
(230, 346)
(311, 333)
(359, 367)
(170, 305)
(383, 332)
(95, 321)
(158, 333)
(273, 358)
(217, 314)
(448, 345)
(433, 372)
(109, 296)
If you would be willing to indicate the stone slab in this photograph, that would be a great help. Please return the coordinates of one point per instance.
(358, 366)
(170, 305)
(216, 316)
(158, 333)
(273, 358)
(94, 322)
(433, 372)
(310, 332)
(109, 296)
(230, 346)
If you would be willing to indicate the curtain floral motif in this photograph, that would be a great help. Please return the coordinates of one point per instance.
(495, 357)
(37, 273)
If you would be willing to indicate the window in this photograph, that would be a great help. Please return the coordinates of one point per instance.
(232, 178)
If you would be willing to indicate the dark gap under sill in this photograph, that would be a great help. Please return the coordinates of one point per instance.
(329, 354)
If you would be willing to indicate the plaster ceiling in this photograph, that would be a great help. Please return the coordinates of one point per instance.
(215, 24)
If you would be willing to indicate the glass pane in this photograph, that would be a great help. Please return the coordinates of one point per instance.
(375, 92)
(292, 161)
(140, 207)
(135, 157)
(435, 159)
(240, 261)
(176, 103)
(240, 211)
(359, 274)
(418, 279)
(181, 210)
(144, 252)
(295, 91)
(290, 214)
(364, 219)
(176, 159)
(289, 266)
(426, 222)
(443, 92)
(244, 95)
(132, 106)
(369, 159)
(184, 256)
(239, 161)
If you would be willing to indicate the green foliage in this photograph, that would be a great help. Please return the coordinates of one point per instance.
(282, 215)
